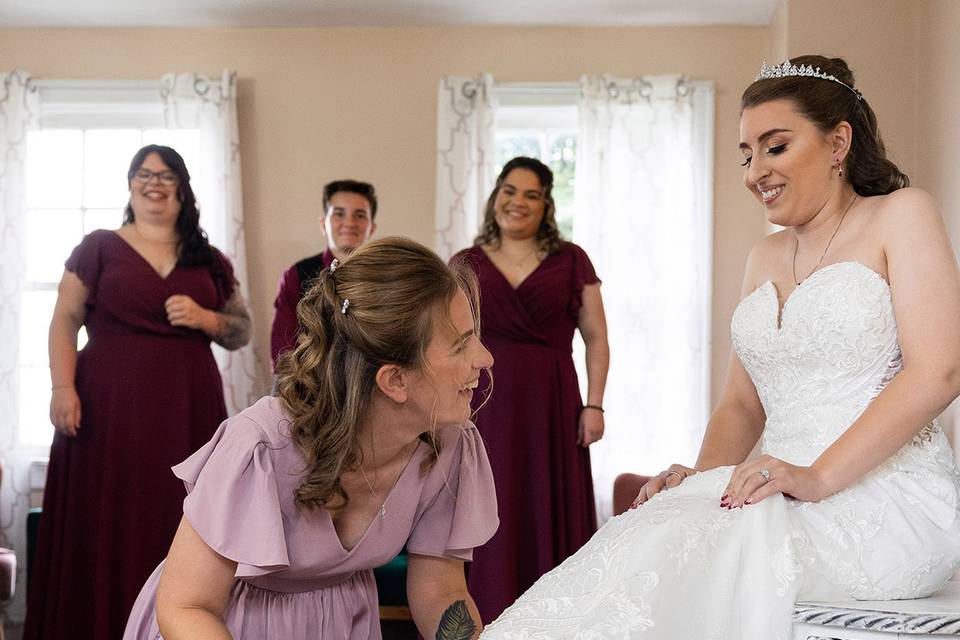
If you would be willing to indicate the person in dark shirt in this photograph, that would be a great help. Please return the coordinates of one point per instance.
(349, 211)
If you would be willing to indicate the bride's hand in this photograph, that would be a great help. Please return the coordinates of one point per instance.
(755, 480)
(664, 480)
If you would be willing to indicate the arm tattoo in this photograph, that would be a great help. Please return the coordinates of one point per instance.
(456, 623)
(234, 323)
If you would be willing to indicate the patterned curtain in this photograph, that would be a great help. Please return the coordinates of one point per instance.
(466, 110)
(18, 114)
(193, 101)
(644, 216)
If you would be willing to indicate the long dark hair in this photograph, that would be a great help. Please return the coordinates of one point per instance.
(827, 104)
(194, 247)
(548, 235)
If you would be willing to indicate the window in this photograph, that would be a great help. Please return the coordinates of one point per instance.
(76, 182)
(547, 132)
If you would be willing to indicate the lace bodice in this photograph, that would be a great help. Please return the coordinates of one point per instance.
(892, 534)
(834, 350)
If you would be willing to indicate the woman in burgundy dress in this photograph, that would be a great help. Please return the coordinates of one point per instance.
(142, 395)
(536, 289)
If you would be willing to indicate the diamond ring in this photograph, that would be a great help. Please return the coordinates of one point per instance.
(766, 474)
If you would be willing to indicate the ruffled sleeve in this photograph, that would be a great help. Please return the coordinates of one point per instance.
(582, 273)
(283, 331)
(86, 261)
(233, 501)
(462, 513)
(226, 280)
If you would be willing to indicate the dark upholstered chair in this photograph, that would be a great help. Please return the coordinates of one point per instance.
(625, 490)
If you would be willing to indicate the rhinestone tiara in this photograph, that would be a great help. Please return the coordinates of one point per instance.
(788, 69)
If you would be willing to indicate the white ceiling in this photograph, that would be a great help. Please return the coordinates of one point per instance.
(317, 13)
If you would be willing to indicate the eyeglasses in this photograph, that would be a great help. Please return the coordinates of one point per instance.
(166, 178)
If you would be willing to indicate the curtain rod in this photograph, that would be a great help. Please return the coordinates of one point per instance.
(97, 84)
(564, 87)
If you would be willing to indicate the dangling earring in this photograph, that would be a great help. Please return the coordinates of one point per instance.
(839, 168)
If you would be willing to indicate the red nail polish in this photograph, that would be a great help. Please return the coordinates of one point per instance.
(748, 501)
(724, 498)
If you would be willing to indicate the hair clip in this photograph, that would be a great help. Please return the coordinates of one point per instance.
(346, 304)
(333, 266)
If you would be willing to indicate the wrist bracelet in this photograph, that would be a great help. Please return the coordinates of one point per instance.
(593, 406)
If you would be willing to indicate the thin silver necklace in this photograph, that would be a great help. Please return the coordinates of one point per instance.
(518, 264)
(383, 503)
(796, 246)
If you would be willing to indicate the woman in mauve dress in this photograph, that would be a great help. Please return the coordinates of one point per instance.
(366, 448)
(536, 290)
(143, 393)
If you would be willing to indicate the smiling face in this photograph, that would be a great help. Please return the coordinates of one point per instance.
(348, 222)
(789, 164)
(442, 390)
(519, 206)
(153, 192)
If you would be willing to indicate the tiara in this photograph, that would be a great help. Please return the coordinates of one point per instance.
(788, 69)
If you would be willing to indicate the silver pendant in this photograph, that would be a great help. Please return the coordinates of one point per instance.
(383, 511)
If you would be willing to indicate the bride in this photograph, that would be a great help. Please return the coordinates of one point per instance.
(847, 346)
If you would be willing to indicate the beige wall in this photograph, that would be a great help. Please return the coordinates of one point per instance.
(937, 96)
(318, 104)
(878, 41)
(904, 53)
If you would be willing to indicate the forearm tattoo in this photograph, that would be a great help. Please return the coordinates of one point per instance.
(234, 323)
(456, 623)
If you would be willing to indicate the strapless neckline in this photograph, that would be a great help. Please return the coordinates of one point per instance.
(781, 311)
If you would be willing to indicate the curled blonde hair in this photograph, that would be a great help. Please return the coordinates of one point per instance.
(396, 288)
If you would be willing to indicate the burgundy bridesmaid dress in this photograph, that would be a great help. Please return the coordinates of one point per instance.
(150, 395)
(530, 423)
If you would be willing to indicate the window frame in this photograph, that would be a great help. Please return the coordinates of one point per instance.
(87, 106)
(544, 110)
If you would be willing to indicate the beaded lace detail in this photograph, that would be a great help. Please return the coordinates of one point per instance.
(893, 534)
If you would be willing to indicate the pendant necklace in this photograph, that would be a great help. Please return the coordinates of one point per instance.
(383, 503)
(518, 264)
(796, 247)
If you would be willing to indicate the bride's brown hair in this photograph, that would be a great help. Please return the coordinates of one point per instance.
(397, 291)
(826, 104)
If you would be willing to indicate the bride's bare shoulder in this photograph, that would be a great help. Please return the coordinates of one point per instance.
(909, 205)
(764, 258)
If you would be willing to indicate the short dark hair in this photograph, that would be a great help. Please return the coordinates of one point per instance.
(364, 189)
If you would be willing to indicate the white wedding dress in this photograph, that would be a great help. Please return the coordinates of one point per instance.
(681, 567)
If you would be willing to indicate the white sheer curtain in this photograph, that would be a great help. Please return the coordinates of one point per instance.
(18, 114)
(194, 101)
(644, 216)
(466, 110)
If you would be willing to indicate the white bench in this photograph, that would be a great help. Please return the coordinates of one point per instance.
(935, 617)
